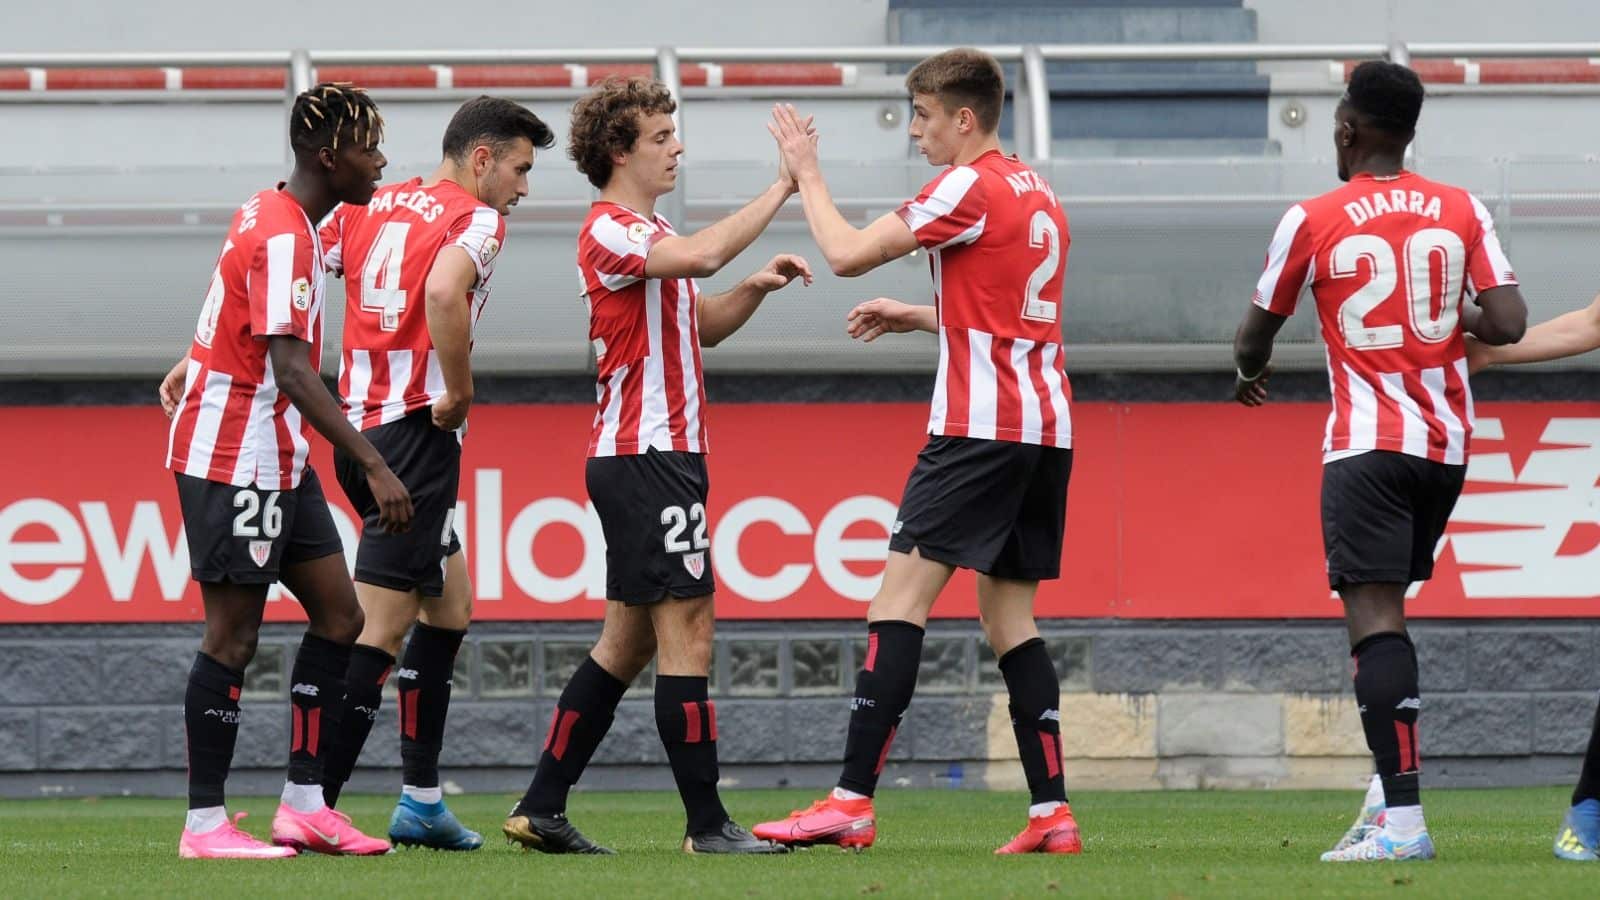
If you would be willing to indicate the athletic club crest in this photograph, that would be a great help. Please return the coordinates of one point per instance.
(695, 563)
(260, 551)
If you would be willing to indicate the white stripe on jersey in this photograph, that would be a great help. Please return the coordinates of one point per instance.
(653, 422)
(1466, 394)
(1363, 410)
(691, 389)
(280, 274)
(968, 236)
(944, 199)
(260, 441)
(399, 379)
(1491, 244)
(611, 414)
(610, 234)
(982, 388)
(480, 231)
(192, 370)
(1278, 255)
(433, 382)
(208, 421)
(1032, 418)
(302, 447)
(1058, 396)
(1455, 437)
(360, 383)
(940, 410)
(1333, 414)
(1413, 428)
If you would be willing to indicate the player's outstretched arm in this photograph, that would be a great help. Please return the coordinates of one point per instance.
(1502, 316)
(723, 314)
(874, 318)
(1568, 334)
(172, 385)
(291, 368)
(849, 250)
(450, 329)
(704, 253)
(1252, 355)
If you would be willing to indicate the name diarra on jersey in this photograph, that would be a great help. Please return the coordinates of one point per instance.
(1382, 203)
(419, 202)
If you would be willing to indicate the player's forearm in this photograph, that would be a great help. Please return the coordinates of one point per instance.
(1251, 351)
(717, 244)
(450, 330)
(723, 314)
(925, 318)
(1566, 335)
(835, 236)
(310, 396)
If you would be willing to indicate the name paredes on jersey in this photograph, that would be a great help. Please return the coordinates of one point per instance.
(1382, 203)
(1029, 180)
(419, 202)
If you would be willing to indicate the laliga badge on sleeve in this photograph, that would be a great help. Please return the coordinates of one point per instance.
(638, 231)
(302, 294)
(491, 249)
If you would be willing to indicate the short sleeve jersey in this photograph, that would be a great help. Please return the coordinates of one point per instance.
(1389, 261)
(232, 424)
(388, 367)
(997, 245)
(646, 338)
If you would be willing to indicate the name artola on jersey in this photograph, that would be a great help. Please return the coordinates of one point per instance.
(1389, 262)
(232, 424)
(1001, 364)
(387, 366)
(646, 335)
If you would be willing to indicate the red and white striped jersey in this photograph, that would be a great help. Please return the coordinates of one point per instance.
(646, 337)
(997, 243)
(385, 250)
(1388, 261)
(232, 424)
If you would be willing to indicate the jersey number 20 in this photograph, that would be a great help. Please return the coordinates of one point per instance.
(1421, 251)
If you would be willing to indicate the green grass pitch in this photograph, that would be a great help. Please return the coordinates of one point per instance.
(930, 844)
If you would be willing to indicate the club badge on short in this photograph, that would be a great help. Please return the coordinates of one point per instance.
(260, 552)
(695, 563)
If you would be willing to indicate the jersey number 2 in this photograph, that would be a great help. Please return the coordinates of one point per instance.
(1422, 249)
(380, 275)
(1042, 232)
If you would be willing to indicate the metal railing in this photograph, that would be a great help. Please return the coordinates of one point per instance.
(1031, 90)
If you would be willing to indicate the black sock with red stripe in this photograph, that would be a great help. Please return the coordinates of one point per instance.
(1035, 691)
(581, 719)
(884, 686)
(211, 726)
(316, 685)
(1386, 690)
(424, 680)
(687, 721)
(363, 694)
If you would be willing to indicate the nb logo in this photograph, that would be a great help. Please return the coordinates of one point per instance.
(1050, 715)
(310, 690)
(407, 674)
(1409, 703)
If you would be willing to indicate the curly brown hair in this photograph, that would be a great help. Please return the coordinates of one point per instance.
(606, 122)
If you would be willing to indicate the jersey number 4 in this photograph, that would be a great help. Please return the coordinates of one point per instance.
(1433, 311)
(380, 275)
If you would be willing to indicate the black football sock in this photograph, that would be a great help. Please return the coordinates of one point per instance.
(316, 684)
(581, 719)
(884, 686)
(1386, 691)
(363, 694)
(687, 721)
(424, 682)
(1589, 778)
(211, 726)
(1035, 691)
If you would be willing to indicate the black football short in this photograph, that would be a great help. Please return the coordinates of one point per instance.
(246, 535)
(652, 509)
(996, 507)
(427, 460)
(1383, 514)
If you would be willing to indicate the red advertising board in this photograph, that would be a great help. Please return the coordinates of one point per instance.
(1176, 511)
